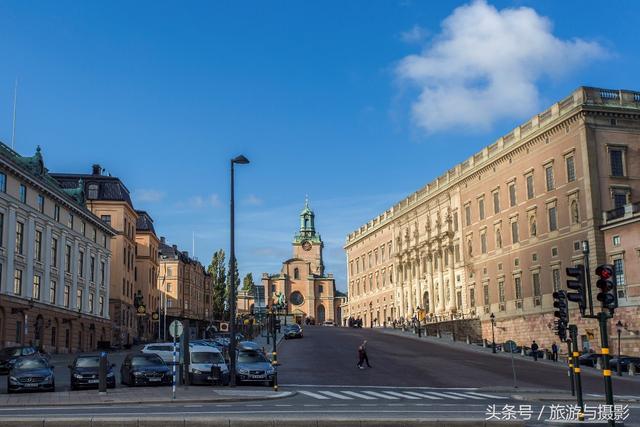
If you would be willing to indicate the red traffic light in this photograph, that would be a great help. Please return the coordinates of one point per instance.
(605, 271)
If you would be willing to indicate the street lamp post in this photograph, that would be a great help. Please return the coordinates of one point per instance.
(493, 335)
(619, 326)
(241, 160)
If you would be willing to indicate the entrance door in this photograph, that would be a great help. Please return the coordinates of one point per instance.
(321, 316)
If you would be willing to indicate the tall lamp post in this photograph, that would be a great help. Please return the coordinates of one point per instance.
(493, 335)
(619, 326)
(241, 160)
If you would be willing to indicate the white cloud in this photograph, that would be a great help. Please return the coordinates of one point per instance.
(148, 195)
(415, 35)
(253, 200)
(484, 66)
(201, 202)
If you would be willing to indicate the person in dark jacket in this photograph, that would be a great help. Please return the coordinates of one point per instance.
(362, 355)
(554, 352)
(534, 350)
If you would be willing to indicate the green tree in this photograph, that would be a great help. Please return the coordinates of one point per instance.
(218, 273)
(248, 284)
(236, 277)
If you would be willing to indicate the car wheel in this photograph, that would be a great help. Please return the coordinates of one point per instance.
(73, 387)
(132, 381)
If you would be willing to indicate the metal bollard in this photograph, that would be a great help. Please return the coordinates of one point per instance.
(102, 374)
(598, 364)
(468, 340)
(632, 369)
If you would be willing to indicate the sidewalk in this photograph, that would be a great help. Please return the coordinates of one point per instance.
(131, 395)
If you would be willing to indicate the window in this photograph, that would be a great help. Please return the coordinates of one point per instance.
(17, 282)
(518, 288)
(618, 267)
(530, 192)
(296, 273)
(467, 215)
(514, 232)
(571, 169)
(101, 305)
(554, 251)
(67, 259)
(36, 287)
(41, 203)
(95, 235)
(486, 293)
(483, 243)
(496, 202)
(90, 303)
(3, 182)
(83, 228)
(512, 194)
(472, 297)
(23, 193)
(455, 221)
(67, 295)
(81, 263)
(553, 221)
(481, 208)
(548, 172)
(619, 198)
(536, 285)
(92, 265)
(617, 162)
(56, 213)
(501, 291)
(18, 331)
(320, 289)
(70, 221)
(102, 273)
(38, 247)
(92, 192)
(1, 229)
(555, 278)
(54, 252)
(19, 237)
(456, 250)
(79, 300)
(52, 291)
(616, 240)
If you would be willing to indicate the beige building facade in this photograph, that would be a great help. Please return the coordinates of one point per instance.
(55, 260)
(495, 233)
(146, 276)
(309, 293)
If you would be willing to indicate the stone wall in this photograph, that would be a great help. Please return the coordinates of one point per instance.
(458, 330)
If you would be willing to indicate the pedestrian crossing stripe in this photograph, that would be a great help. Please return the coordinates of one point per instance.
(397, 395)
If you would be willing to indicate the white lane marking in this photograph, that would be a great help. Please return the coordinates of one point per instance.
(445, 395)
(314, 395)
(404, 396)
(426, 396)
(391, 387)
(490, 396)
(359, 395)
(193, 406)
(466, 395)
(384, 396)
(336, 395)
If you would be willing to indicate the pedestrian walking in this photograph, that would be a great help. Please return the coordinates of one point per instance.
(362, 355)
(554, 351)
(534, 350)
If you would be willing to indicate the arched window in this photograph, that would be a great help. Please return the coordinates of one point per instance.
(296, 273)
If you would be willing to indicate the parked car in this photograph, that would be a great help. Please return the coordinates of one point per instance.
(589, 359)
(254, 367)
(328, 323)
(292, 331)
(164, 350)
(625, 362)
(249, 345)
(31, 373)
(202, 358)
(8, 355)
(85, 372)
(145, 369)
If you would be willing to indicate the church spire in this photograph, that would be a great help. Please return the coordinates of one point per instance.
(307, 216)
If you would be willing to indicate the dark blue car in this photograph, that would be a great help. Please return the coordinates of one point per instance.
(145, 369)
(85, 372)
(31, 373)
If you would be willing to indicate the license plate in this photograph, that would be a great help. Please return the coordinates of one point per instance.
(30, 385)
(93, 381)
(155, 380)
(256, 377)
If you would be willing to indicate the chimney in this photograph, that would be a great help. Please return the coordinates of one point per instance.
(162, 240)
(186, 254)
(175, 247)
(96, 169)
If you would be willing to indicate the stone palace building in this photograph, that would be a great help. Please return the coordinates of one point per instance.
(495, 233)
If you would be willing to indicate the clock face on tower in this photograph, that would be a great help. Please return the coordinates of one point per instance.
(306, 245)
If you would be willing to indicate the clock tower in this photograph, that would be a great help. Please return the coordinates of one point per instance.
(307, 244)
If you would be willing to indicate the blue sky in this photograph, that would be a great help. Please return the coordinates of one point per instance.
(355, 103)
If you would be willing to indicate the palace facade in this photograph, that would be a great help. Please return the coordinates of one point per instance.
(495, 233)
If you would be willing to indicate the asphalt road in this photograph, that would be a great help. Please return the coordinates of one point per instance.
(328, 356)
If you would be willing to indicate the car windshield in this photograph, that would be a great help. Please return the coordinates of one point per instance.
(206, 357)
(251, 357)
(146, 361)
(88, 362)
(31, 363)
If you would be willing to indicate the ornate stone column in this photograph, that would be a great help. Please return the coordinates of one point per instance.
(432, 294)
(441, 302)
(452, 284)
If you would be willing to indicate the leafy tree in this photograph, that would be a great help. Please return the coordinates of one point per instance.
(218, 273)
(248, 284)
(236, 277)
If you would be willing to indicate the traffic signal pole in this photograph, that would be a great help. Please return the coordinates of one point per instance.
(573, 332)
(570, 362)
(606, 369)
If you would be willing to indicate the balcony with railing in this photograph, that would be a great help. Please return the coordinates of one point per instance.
(627, 211)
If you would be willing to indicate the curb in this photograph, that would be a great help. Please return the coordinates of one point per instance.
(241, 422)
(216, 399)
(564, 398)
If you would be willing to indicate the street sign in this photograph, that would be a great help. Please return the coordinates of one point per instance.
(224, 327)
(175, 328)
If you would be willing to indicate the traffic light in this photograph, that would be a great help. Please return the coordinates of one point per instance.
(576, 282)
(608, 294)
(562, 313)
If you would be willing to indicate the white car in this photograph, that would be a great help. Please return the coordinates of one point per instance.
(164, 350)
(328, 323)
(203, 358)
